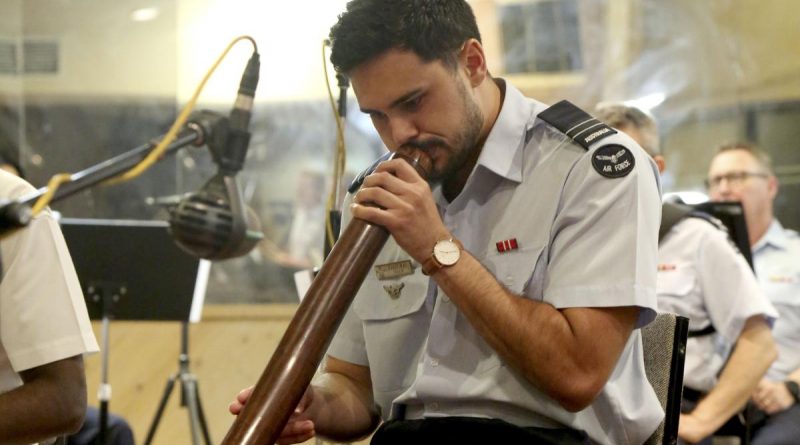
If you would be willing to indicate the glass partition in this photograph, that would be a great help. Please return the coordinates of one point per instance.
(82, 81)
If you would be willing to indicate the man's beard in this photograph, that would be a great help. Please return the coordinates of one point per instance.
(464, 144)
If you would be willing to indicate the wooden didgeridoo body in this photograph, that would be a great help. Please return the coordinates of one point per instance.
(300, 351)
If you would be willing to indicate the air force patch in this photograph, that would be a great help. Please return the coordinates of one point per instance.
(613, 161)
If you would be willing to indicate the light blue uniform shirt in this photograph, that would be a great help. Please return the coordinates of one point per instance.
(703, 277)
(776, 257)
(584, 240)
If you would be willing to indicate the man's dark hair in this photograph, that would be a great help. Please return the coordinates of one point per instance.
(432, 29)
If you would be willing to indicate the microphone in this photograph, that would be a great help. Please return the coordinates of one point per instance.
(214, 223)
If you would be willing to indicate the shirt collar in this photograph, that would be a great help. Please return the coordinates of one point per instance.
(775, 237)
(502, 151)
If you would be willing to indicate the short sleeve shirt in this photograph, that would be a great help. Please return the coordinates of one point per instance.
(582, 240)
(776, 257)
(43, 316)
(703, 277)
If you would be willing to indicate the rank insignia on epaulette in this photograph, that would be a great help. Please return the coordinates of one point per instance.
(577, 124)
(613, 161)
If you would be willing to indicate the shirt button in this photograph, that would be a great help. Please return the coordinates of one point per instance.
(434, 406)
(445, 299)
(434, 362)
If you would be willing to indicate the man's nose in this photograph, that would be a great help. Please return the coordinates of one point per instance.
(403, 130)
(722, 191)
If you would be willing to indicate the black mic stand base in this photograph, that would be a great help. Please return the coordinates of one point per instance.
(190, 396)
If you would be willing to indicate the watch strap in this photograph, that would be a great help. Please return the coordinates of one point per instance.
(431, 265)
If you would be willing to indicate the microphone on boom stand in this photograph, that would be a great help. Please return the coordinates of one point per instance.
(214, 223)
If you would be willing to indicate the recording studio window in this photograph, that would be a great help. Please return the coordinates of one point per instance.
(8, 57)
(540, 36)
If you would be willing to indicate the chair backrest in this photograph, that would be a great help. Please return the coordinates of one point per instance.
(664, 342)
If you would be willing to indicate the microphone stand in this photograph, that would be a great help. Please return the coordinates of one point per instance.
(197, 131)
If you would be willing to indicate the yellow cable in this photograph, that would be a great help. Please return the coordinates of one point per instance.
(160, 148)
(52, 186)
(339, 161)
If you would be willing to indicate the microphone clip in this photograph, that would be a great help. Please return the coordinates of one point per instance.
(228, 146)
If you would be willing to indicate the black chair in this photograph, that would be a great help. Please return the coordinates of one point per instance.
(664, 342)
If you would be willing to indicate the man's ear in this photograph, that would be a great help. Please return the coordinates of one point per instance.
(473, 61)
(772, 186)
(661, 163)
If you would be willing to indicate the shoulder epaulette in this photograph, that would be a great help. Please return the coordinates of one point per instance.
(356, 184)
(577, 124)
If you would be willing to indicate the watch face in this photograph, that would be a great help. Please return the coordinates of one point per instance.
(446, 252)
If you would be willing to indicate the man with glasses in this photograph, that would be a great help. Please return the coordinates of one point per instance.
(702, 276)
(742, 172)
(506, 307)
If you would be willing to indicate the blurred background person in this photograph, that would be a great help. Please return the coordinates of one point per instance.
(301, 246)
(743, 172)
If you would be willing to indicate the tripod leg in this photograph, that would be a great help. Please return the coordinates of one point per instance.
(167, 391)
(190, 399)
(201, 416)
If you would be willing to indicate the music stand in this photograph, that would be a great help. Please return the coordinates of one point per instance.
(132, 270)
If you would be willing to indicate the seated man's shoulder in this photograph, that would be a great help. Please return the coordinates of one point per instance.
(12, 186)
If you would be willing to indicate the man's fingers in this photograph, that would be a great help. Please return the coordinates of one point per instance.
(377, 197)
(244, 395)
(385, 180)
(235, 408)
(399, 168)
(297, 432)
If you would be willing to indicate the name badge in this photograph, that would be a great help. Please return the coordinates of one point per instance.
(390, 271)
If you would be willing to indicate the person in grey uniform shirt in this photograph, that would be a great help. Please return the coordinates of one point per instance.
(506, 305)
(743, 172)
(702, 276)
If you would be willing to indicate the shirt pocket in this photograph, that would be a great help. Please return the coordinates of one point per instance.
(782, 286)
(678, 293)
(515, 269)
(677, 281)
(395, 327)
(382, 300)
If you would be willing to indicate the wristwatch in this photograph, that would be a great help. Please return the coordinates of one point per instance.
(445, 253)
(794, 389)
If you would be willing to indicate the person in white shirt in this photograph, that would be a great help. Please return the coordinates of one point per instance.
(44, 330)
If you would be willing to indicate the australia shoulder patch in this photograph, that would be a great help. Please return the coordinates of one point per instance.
(613, 161)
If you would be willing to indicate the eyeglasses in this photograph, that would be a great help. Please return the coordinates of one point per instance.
(733, 179)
